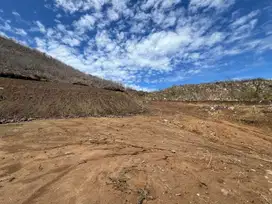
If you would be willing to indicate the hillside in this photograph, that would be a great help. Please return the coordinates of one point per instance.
(22, 100)
(246, 90)
(33, 85)
(18, 61)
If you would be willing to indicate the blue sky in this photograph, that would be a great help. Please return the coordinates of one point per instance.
(148, 44)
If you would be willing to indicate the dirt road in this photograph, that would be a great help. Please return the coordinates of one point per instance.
(178, 153)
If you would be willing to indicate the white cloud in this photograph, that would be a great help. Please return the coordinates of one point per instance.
(112, 15)
(3, 34)
(20, 31)
(6, 27)
(72, 6)
(16, 13)
(149, 4)
(217, 4)
(267, 27)
(85, 23)
(244, 19)
(137, 28)
(140, 88)
(71, 41)
(41, 27)
(140, 42)
(214, 38)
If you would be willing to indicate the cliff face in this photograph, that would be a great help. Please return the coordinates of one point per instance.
(247, 90)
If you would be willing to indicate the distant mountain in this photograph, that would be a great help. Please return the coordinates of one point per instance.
(18, 61)
(246, 90)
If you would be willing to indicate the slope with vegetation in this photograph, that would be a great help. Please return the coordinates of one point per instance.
(18, 61)
(246, 90)
(34, 85)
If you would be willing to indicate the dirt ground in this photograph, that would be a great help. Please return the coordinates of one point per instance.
(177, 153)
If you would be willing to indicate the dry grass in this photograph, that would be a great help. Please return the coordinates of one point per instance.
(247, 90)
(18, 61)
(22, 99)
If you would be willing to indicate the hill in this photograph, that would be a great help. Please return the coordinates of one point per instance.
(246, 90)
(18, 61)
(34, 85)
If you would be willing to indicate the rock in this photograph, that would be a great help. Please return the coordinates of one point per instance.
(150, 197)
(225, 192)
(173, 151)
(220, 180)
(1, 88)
(82, 162)
(269, 172)
(40, 167)
(231, 108)
(270, 189)
(253, 170)
(198, 194)
(178, 194)
(2, 98)
(23, 119)
(11, 179)
(3, 121)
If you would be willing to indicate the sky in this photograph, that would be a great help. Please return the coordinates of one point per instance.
(149, 44)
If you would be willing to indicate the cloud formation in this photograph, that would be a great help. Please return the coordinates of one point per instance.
(149, 41)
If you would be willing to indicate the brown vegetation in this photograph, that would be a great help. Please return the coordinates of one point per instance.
(18, 61)
(26, 99)
(34, 85)
(246, 90)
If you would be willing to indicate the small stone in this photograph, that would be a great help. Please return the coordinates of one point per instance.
(253, 170)
(269, 172)
(231, 108)
(11, 179)
(224, 191)
(178, 194)
(173, 151)
(220, 180)
(2, 121)
(40, 167)
(67, 153)
(82, 162)
(198, 194)
(150, 198)
(270, 189)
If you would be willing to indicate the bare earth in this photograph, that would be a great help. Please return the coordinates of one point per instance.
(178, 153)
